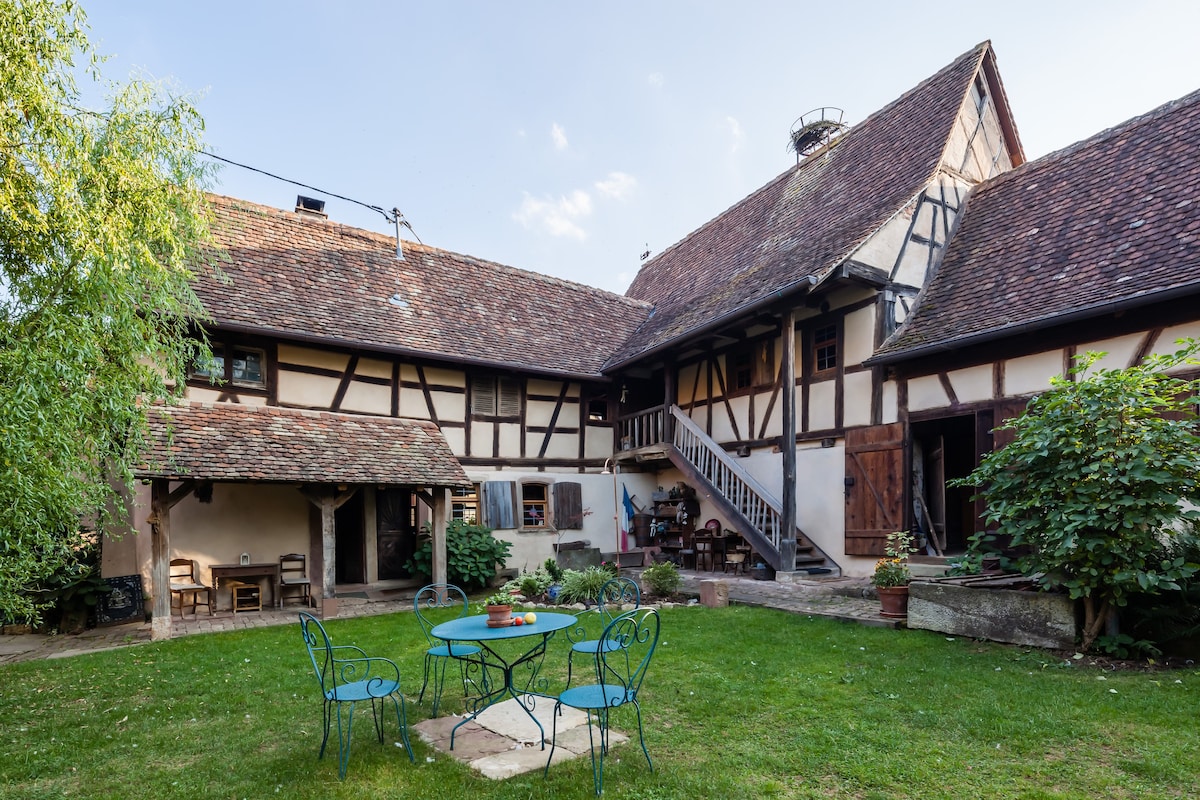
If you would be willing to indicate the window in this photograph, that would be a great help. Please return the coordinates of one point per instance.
(825, 348)
(495, 396)
(534, 506)
(243, 367)
(464, 504)
(598, 408)
(751, 365)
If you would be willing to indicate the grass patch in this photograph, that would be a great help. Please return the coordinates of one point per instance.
(739, 702)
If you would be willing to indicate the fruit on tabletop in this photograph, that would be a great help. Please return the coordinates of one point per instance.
(518, 620)
(530, 618)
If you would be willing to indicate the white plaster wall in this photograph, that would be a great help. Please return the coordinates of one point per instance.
(881, 248)
(368, 398)
(539, 412)
(973, 384)
(1120, 351)
(308, 357)
(598, 442)
(860, 335)
(264, 520)
(926, 392)
(203, 394)
(510, 439)
(1167, 343)
(374, 368)
(689, 390)
(722, 430)
(1031, 374)
(448, 405)
(774, 425)
(436, 376)
(857, 394)
(821, 401)
(456, 438)
(890, 402)
(312, 391)
(481, 438)
(412, 404)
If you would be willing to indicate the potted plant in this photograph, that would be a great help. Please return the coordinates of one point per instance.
(499, 607)
(892, 576)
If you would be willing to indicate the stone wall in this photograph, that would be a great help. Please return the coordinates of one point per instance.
(1035, 619)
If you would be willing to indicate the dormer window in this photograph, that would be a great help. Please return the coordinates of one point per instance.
(825, 348)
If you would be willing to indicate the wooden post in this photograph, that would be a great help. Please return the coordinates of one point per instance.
(787, 445)
(671, 392)
(160, 559)
(441, 507)
(328, 500)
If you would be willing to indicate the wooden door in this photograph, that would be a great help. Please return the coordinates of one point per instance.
(874, 487)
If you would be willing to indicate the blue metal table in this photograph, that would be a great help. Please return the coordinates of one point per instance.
(475, 629)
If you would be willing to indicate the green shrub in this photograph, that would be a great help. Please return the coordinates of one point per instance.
(662, 579)
(1095, 481)
(472, 555)
(530, 584)
(553, 570)
(582, 587)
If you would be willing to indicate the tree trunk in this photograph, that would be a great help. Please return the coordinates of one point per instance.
(1094, 621)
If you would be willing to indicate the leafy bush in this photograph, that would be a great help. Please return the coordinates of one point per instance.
(1094, 483)
(530, 584)
(662, 579)
(553, 570)
(472, 555)
(582, 587)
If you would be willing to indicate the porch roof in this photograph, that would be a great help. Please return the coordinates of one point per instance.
(237, 443)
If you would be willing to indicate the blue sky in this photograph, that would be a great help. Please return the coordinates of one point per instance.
(569, 138)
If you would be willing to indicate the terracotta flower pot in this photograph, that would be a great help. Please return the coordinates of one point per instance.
(893, 601)
(499, 616)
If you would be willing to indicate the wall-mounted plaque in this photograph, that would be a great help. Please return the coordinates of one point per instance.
(123, 602)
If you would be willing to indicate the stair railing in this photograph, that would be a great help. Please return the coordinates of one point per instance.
(728, 477)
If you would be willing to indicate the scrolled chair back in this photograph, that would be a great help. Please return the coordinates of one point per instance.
(434, 597)
(634, 637)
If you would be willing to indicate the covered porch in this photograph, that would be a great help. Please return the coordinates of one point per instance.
(220, 480)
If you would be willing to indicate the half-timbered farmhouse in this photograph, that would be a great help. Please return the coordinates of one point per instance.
(814, 362)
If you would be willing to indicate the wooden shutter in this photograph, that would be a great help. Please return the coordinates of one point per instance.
(509, 402)
(568, 505)
(498, 505)
(483, 396)
(1006, 410)
(874, 487)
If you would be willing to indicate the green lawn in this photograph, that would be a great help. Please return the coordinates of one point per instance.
(739, 702)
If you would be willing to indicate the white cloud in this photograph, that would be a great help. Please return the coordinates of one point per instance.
(559, 217)
(618, 185)
(735, 133)
(655, 79)
(559, 136)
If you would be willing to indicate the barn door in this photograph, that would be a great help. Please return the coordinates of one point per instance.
(874, 487)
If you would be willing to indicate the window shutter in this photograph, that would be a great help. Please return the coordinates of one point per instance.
(568, 505)
(510, 397)
(483, 396)
(498, 505)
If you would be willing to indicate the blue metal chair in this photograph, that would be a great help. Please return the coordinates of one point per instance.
(347, 676)
(442, 596)
(614, 595)
(620, 670)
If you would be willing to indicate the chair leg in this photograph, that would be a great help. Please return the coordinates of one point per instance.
(344, 740)
(326, 720)
(425, 678)
(439, 683)
(553, 736)
(641, 735)
(402, 721)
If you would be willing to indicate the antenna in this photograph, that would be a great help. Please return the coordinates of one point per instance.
(816, 130)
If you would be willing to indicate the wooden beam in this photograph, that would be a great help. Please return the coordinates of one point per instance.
(441, 516)
(787, 444)
(328, 501)
(160, 559)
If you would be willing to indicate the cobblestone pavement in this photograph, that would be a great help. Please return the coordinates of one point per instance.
(848, 599)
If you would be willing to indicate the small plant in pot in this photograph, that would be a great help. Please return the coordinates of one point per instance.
(892, 575)
(499, 607)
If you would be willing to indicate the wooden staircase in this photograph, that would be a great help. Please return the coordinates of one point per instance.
(750, 508)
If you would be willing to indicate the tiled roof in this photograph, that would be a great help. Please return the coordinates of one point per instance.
(805, 221)
(230, 442)
(289, 274)
(1108, 223)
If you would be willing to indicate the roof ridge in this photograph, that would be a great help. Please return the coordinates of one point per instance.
(410, 246)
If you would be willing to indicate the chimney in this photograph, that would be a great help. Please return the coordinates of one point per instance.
(310, 207)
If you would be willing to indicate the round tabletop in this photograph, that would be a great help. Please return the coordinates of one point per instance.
(475, 629)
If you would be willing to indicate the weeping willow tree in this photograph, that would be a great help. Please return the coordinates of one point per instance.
(101, 212)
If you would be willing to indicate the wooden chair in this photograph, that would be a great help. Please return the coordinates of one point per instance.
(182, 579)
(293, 574)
